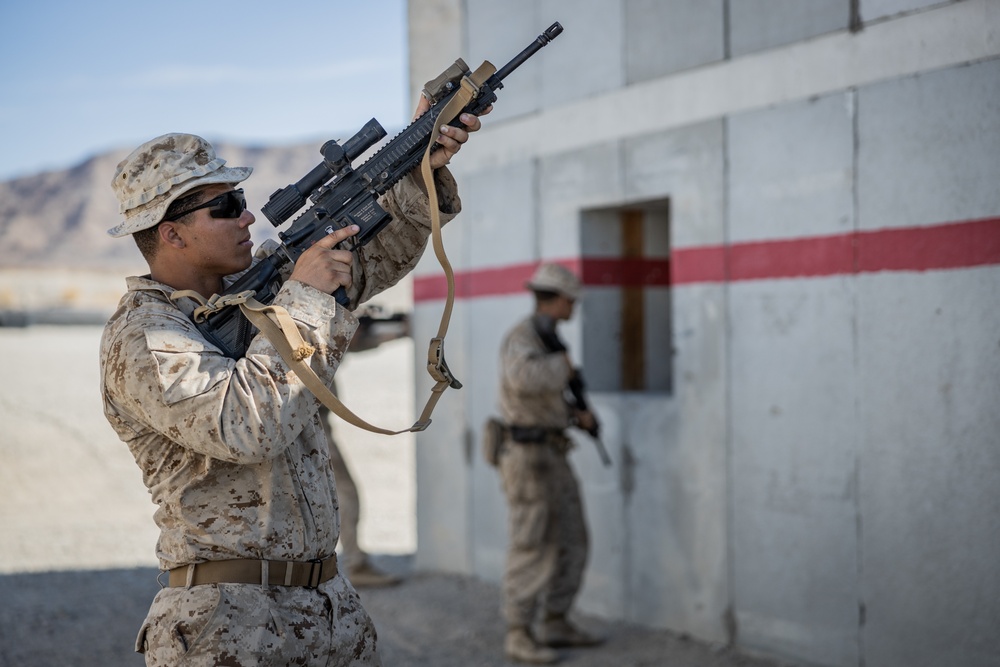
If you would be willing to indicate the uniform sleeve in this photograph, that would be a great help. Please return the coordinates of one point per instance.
(393, 253)
(163, 373)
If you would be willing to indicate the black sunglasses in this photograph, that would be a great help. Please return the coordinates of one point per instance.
(227, 205)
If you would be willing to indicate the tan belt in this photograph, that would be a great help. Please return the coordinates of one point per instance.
(534, 435)
(264, 572)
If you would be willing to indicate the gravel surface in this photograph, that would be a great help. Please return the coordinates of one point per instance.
(90, 618)
(77, 571)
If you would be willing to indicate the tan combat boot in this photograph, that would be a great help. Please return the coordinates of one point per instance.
(556, 631)
(519, 645)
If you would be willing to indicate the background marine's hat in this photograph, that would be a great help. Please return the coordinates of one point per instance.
(555, 278)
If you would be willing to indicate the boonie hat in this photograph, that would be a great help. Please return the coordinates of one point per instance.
(555, 278)
(161, 170)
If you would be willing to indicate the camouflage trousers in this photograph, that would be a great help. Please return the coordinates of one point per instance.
(248, 625)
(547, 532)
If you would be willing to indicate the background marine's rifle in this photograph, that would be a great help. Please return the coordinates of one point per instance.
(576, 389)
(375, 327)
(342, 195)
(545, 327)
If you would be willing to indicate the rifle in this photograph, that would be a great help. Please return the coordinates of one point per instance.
(375, 327)
(546, 330)
(576, 390)
(342, 195)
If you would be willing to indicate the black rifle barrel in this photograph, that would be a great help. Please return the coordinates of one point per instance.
(551, 33)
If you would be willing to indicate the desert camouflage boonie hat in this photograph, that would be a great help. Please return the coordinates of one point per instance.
(161, 170)
(555, 278)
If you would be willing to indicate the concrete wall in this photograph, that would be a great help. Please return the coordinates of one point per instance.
(821, 479)
(794, 522)
(929, 377)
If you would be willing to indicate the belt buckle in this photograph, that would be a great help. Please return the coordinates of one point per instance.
(315, 572)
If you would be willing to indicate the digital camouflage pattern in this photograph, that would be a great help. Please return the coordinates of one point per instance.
(232, 451)
(547, 532)
(161, 170)
(244, 625)
(532, 381)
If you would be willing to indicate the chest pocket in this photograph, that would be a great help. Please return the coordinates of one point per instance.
(186, 367)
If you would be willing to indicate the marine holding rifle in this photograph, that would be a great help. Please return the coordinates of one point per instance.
(547, 531)
(232, 450)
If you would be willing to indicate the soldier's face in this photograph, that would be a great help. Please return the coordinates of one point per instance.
(220, 246)
(564, 307)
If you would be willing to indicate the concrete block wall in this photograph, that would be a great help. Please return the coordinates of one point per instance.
(820, 483)
(756, 25)
(929, 375)
(667, 37)
(792, 397)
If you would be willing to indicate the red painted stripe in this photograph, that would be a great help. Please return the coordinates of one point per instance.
(949, 246)
(706, 264)
(595, 272)
(819, 256)
(637, 272)
(956, 246)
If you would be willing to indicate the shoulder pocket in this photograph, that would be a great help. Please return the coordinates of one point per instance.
(186, 366)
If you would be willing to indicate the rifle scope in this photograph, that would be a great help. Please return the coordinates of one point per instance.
(286, 201)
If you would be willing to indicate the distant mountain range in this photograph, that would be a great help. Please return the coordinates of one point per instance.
(59, 266)
(60, 218)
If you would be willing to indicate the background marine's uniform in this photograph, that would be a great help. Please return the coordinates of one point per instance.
(548, 545)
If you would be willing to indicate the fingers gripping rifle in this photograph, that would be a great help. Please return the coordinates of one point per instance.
(342, 195)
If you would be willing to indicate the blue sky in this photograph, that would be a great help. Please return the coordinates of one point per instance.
(78, 78)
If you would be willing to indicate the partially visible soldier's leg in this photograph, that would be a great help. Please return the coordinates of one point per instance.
(357, 566)
(572, 545)
(347, 495)
(531, 556)
(571, 538)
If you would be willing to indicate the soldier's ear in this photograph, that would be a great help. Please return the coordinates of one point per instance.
(170, 235)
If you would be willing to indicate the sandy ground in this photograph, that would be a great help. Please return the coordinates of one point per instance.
(77, 570)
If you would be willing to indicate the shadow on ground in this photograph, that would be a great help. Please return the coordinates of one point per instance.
(69, 619)
(90, 618)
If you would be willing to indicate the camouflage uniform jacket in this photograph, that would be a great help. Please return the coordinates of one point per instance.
(232, 451)
(532, 380)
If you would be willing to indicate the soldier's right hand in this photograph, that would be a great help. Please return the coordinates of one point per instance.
(324, 266)
(587, 421)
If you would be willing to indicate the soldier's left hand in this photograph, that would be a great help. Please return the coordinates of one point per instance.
(451, 137)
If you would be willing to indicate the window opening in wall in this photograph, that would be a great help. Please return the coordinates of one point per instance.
(625, 315)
